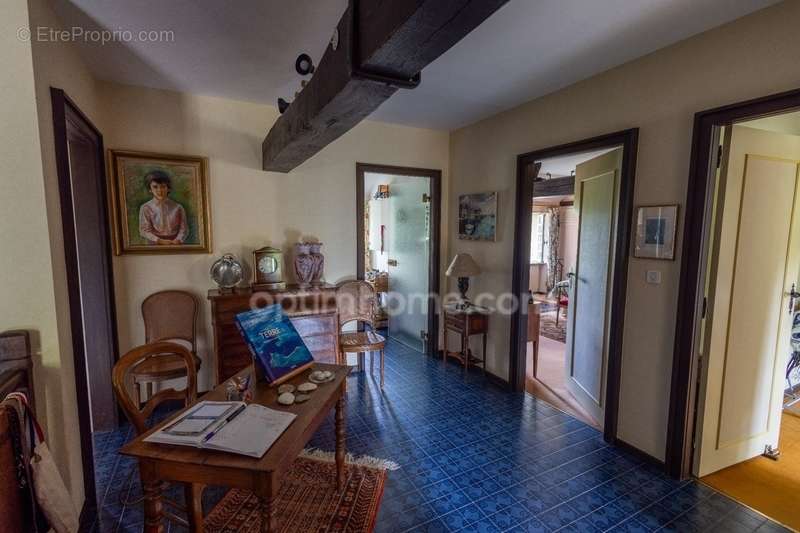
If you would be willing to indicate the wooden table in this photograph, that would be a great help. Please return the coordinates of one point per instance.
(466, 322)
(163, 462)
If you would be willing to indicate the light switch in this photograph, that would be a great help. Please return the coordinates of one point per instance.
(654, 277)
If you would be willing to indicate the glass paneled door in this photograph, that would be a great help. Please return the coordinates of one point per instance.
(408, 260)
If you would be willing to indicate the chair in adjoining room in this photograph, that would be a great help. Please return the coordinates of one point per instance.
(168, 316)
(140, 415)
(356, 301)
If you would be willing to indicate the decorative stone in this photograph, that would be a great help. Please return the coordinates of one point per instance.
(287, 398)
(286, 387)
(321, 376)
(306, 387)
(300, 398)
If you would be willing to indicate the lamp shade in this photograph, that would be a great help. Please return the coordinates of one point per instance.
(463, 266)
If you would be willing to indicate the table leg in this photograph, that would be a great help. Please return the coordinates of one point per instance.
(340, 442)
(269, 518)
(484, 354)
(465, 350)
(151, 488)
(193, 494)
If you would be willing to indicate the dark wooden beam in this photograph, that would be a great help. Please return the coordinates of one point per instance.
(381, 48)
(554, 187)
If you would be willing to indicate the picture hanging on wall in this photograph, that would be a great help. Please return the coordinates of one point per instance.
(159, 203)
(477, 216)
(655, 231)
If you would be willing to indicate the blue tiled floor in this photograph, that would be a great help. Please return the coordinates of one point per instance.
(476, 458)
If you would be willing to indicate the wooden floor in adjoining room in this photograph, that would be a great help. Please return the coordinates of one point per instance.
(770, 487)
(550, 385)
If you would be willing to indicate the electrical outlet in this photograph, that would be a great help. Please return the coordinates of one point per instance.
(653, 277)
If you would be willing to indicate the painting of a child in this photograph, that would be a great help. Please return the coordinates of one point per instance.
(160, 203)
(162, 220)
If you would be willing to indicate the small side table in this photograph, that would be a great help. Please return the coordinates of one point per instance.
(466, 322)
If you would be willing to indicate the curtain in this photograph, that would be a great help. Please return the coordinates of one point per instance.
(553, 274)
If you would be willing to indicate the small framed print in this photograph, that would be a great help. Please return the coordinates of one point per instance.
(655, 231)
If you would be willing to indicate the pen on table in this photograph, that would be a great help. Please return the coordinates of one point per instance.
(222, 425)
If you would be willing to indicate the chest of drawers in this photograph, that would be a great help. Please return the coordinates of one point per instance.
(312, 312)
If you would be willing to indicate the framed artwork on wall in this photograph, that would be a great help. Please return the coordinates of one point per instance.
(655, 231)
(159, 203)
(477, 216)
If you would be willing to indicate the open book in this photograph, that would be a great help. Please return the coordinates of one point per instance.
(226, 426)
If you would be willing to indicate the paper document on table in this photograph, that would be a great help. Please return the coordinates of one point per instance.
(250, 432)
(253, 432)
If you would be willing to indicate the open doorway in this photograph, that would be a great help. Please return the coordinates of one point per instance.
(398, 249)
(555, 233)
(90, 283)
(747, 421)
(573, 217)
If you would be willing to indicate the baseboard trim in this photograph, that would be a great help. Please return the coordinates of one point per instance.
(641, 454)
(494, 379)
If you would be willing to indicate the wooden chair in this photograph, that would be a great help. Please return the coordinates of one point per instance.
(355, 301)
(139, 415)
(168, 316)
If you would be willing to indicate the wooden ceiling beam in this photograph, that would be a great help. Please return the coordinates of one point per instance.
(382, 46)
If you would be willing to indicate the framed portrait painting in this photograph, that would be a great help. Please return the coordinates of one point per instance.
(655, 231)
(477, 216)
(159, 203)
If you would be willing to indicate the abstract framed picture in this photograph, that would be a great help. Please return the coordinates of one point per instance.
(655, 231)
(477, 216)
(159, 203)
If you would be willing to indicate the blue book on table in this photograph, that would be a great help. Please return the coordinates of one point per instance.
(273, 340)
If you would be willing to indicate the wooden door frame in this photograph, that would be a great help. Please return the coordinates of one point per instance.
(697, 224)
(435, 177)
(62, 105)
(520, 281)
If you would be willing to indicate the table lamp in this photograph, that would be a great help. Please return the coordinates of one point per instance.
(463, 267)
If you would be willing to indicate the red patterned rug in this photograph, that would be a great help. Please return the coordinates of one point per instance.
(308, 501)
(548, 327)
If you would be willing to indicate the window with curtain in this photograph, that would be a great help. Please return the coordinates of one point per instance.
(539, 238)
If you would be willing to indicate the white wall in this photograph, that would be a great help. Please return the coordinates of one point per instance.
(249, 207)
(659, 93)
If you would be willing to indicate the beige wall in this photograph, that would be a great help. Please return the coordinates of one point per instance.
(32, 258)
(249, 207)
(753, 56)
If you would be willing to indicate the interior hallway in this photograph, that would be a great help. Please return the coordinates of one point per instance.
(771, 487)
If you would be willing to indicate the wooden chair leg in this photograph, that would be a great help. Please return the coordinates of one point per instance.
(360, 361)
(381, 368)
(137, 394)
(371, 358)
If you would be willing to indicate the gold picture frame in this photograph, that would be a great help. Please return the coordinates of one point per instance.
(159, 203)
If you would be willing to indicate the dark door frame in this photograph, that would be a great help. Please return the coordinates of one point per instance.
(64, 111)
(520, 281)
(697, 224)
(435, 177)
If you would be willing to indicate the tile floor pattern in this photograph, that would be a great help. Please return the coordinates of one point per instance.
(477, 458)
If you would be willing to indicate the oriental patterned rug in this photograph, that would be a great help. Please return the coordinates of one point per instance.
(548, 327)
(309, 500)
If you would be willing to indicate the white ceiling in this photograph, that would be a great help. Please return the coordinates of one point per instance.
(246, 49)
(783, 123)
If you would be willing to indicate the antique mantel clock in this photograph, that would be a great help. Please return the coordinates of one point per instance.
(268, 269)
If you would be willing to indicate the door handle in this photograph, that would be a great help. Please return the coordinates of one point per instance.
(793, 296)
(392, 262)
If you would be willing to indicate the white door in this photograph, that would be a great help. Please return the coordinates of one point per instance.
(596, 194)
(755, 260)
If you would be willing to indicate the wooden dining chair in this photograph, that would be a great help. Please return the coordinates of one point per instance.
(139, 415)
(355, 301)
(168, 316)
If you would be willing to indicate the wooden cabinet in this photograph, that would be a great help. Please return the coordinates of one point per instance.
(312, 311)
